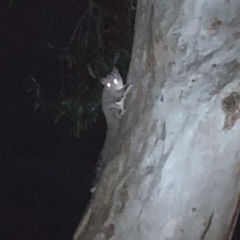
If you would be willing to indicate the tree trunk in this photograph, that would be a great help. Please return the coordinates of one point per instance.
(174, 171)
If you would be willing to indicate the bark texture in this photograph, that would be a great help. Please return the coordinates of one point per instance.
(173, 173)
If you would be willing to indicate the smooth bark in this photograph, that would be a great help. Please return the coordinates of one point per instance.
(174, 171)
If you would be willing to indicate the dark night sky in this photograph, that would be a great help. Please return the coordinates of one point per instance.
(45, 174)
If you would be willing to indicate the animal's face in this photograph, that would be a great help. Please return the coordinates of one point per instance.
(113, 81)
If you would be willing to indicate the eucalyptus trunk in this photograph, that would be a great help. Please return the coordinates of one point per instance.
(173, 173)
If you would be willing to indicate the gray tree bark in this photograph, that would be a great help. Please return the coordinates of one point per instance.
(174, 171)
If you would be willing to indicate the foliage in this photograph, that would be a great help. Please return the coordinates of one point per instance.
(101, 39)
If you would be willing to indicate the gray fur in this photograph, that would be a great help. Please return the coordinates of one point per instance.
(113, 92)
(113, 97)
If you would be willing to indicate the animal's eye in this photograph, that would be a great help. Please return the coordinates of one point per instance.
(115, 81)
(108, 84)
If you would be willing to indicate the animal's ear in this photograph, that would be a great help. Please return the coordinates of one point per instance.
(115, 70)
(103, 81)
(115, 74)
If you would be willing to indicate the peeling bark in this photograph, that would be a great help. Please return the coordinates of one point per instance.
(174, 171)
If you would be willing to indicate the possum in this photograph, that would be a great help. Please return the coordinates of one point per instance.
(113, 97)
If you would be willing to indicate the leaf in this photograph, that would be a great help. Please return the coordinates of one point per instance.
(68, 103)
(62, 113)
(90, 71)
(36, 106)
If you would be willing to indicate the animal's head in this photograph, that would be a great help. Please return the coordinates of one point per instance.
(113, 81)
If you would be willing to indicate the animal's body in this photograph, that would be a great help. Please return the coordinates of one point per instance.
(113, 97)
